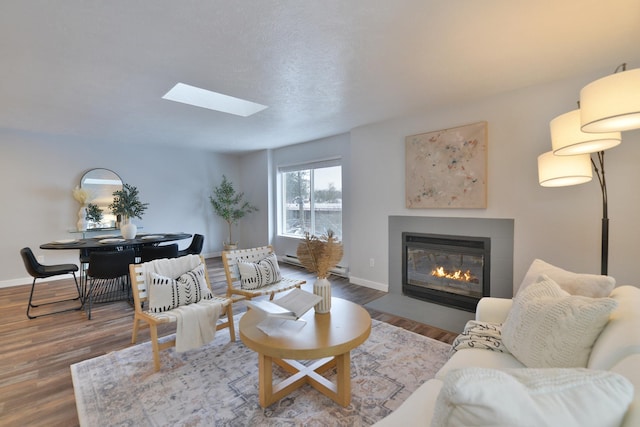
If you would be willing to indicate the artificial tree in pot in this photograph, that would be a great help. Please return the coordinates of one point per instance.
(230, 205)
(127, 204)
(319, 255)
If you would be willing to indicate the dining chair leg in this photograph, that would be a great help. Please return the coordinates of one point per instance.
(31, 305)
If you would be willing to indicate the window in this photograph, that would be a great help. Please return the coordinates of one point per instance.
(311, 199)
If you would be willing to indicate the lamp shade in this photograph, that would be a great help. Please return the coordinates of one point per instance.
(611, 103)
(561, 171)
(567, 139)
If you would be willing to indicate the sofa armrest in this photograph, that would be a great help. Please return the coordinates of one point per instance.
(494, 310)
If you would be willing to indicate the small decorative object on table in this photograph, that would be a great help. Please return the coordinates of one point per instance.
(127, 204)
(320, 255)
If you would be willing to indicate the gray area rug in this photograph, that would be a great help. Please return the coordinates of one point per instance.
(217, 385)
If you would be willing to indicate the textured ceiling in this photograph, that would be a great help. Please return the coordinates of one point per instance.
(95, 71)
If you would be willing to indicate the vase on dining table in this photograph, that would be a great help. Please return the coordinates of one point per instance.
(128, 229)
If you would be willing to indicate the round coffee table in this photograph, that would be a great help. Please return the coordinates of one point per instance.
(327, 337)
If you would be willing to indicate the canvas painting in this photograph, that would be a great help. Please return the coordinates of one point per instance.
(447, 168)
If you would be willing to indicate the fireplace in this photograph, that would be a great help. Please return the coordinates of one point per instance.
(444, 269)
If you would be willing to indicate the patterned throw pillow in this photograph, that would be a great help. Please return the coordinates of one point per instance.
(262, 273)
(166, 293)
(548, 328)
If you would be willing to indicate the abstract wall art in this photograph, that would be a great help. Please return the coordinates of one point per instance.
(447, 168)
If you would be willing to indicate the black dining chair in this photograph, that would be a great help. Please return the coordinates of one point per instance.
(108, 277)
(40, 271)
(195, 248)
(149, 253)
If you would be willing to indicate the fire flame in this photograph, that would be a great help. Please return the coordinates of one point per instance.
(455, 275)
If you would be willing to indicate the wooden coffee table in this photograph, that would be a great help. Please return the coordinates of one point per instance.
(326, 338)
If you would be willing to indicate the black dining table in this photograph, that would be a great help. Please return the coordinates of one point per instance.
(113, 242)
(110, 243)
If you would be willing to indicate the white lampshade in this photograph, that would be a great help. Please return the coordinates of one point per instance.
(561, 171)
(567, 139)
(611, 103)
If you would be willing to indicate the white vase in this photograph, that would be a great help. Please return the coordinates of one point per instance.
(81, 225)
(322, 287)
(128, 229)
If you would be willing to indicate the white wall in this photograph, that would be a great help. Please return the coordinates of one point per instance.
(38, 175)
(559, 225)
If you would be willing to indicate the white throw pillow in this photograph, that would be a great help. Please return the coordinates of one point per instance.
(166, 293)
(254, 275)
(588, 285)
(532, 398)
(548, 328)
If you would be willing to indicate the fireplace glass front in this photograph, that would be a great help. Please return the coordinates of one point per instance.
(448, 270)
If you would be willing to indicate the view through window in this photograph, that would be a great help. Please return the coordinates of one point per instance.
(312, 199)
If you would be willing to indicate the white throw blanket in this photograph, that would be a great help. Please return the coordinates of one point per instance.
(196, 323)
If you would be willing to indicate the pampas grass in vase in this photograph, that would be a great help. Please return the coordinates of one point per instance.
(319, 256)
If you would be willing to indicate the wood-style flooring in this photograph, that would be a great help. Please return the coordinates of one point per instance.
(35, 354)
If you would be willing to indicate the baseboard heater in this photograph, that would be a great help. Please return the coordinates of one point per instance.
(337, 270)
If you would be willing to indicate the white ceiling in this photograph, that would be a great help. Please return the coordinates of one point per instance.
(95, 71)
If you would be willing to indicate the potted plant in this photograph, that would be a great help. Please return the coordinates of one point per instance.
(319, 256)
(94, 214)
(127, 204)
(230, 205)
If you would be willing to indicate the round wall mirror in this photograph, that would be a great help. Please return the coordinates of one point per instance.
(101, 183)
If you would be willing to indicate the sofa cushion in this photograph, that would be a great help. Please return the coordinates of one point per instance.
(548, 328)
(621, 337)
(532, 397)
(588, 285)
(479, 358)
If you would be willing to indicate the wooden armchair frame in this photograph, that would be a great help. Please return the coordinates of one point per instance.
(144, 318)
(230, 261)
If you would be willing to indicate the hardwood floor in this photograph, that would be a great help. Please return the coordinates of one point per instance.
(35, 379)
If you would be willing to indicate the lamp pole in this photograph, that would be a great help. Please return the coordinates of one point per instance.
(604, 252)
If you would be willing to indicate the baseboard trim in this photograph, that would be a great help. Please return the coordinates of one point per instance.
(384, 287)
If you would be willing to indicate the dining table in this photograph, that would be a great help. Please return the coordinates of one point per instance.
(110, 242)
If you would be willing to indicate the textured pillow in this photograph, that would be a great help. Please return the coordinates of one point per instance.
(548, 328)
(588, 285)
(166, 293)
(532, 398)
(254, 275)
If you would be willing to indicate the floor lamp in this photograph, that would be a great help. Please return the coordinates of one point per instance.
(607, 106)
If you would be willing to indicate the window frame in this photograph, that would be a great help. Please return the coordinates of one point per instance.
(281, 193)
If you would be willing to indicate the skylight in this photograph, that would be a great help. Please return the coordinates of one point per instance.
(212, 100)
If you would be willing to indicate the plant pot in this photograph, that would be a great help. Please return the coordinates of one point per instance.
(230, 246)
(322, 287)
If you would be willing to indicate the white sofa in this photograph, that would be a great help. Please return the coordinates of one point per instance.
(616, 349)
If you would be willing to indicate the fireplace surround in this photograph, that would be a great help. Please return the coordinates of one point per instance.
(499, 230)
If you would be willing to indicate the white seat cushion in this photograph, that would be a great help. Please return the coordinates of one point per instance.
(480, 358)
(573, 397)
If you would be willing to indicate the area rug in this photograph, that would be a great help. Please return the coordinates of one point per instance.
(217, 385)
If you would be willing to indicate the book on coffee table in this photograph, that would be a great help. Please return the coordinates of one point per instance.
(291, 306)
